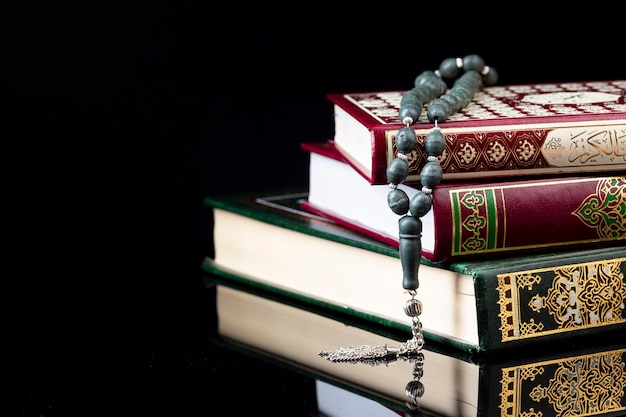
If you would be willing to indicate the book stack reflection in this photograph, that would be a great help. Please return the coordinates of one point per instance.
(581, 379)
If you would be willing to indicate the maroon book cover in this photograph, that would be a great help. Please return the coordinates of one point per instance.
(512, 130)
(487, 218)
(531, 215)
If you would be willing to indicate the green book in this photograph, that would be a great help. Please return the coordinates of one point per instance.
(564, 380)
(267, 241)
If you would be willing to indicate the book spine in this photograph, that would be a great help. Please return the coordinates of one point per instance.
(517, 307)
(380, 160)
(526, 216)
(376, 172)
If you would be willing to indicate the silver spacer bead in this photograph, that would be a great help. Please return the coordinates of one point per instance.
(408, 121)
(459, 62)
(413, 307)
(432, 158)
(427, 190)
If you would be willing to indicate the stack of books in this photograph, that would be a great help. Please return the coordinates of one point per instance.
(522, 275)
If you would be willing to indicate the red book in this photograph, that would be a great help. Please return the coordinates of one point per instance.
(512, 130)
(479, 219)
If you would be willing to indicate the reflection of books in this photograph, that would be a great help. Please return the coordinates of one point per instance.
(483, 219)
(266, 240)
(539, 129)
(335, 401)
(565, 380)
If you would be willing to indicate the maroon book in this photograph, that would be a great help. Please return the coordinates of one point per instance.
(478, 219)
(506, 131)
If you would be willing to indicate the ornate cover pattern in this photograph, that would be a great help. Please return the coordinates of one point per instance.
(584, 385)
(507, 130)
(485, 219)
(544, 301)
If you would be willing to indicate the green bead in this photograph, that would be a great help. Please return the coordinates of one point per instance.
(431, 174)
(463, 94)
(397, 171)
(473, 62)
(398, 201)
(435, 143)
(410, 250)
(455, 103)
(406, 140)
(420, 204)
(491, 77)
(439, 111)
(423, 77)
(422, 93)
(449, 69)
(409, 113)
(438, 86)
(412, 96)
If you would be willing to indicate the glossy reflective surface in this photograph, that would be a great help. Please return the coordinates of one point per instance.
(126, 333)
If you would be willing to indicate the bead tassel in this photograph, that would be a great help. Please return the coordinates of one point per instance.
(429, 88)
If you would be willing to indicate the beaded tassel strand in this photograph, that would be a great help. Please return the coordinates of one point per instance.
(429, 86)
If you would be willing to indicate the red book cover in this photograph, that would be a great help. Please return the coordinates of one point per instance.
(478, 219)
(512, 130)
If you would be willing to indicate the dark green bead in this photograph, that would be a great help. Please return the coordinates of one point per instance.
(470, 80)
(412, 102)
(420, 204)
(409, 113)
(438, 86)
(431, 174)
(423, 77)
(435, 143)
(406, 140)
(410, 249)
(421, 92)
(470, 85)
(449, 69)
(411, 96)
(398, 201)
(473, 62)
(438, 111)
(455, 103)
(471, 76)
(463, 94)
(491, 77)
(397, 171)
(410, 227)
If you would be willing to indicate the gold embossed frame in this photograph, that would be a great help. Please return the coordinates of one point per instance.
(545, 301)
(585, 385)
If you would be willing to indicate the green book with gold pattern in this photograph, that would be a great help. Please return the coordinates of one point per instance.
(266, 241)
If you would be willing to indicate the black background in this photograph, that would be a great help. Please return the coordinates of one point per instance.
(120, 116)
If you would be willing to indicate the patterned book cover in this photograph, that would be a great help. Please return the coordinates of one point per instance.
(534, 129)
